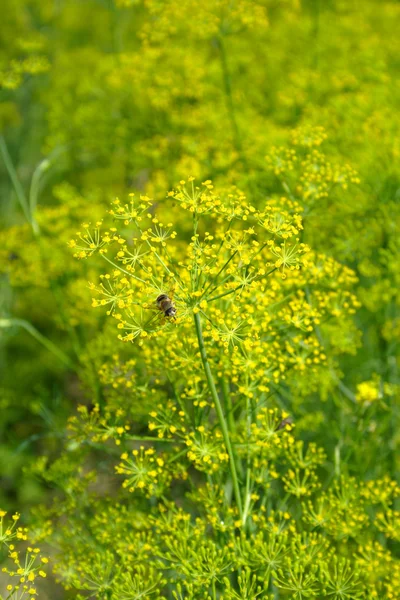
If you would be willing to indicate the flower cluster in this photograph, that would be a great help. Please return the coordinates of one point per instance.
(23, 572)
(243, 441)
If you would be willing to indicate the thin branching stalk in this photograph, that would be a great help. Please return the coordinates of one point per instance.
(118, 267)
(239, 287)
(219, 273)
(220, 412)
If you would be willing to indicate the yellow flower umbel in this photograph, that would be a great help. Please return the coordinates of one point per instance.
(232, 251)
(24, 572)
(368, 392)
(147, 472)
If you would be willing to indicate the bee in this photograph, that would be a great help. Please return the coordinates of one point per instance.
(285, 423)
(165, 304)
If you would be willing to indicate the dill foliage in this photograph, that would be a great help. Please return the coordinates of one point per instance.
(199, 307)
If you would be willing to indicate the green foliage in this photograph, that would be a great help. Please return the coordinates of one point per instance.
(237, 438)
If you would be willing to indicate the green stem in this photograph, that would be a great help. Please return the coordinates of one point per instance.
(178, 455)
(37, 180)
(337, 459)
(35, 184)
(247, 496)
(229, 411)
(39, 337)
(228, 404)
(17, 185)
(149, 438)
(229, 96)
(220, 412)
